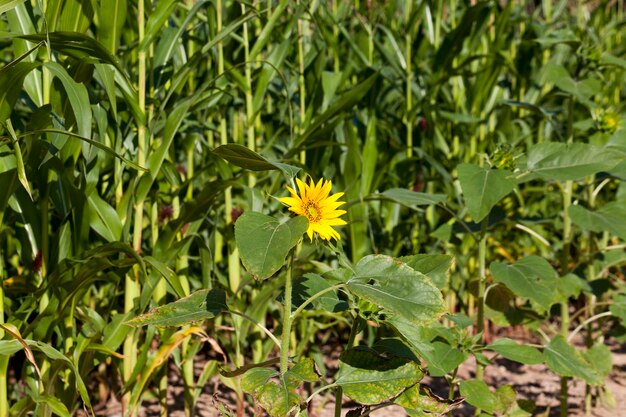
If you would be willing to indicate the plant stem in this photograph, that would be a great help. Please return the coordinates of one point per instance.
(408, 39)
(301, 85)
(286, 336)
(482, 277)
(567, 239)
(354, 330)
(4, 360)
(132, 289)
(251, 141)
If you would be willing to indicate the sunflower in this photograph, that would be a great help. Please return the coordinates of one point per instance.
(317, 206)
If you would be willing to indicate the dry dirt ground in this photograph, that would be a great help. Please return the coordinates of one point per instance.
(532, 382)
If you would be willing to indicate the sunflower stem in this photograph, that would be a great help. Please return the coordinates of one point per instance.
(284, 344)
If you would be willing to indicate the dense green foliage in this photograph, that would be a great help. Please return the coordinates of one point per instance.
(480, 145)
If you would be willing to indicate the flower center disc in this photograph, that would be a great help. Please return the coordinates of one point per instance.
(313, 212)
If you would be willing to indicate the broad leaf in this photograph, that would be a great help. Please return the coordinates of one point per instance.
(560, 161)
(277, 393)
(264, 242)
(312, 284)
(397, 289)
(565, 360)
(610, 218)
(368, 378)
(477, 393)
(483, 188)
(531, 277)
(435, 267)
(514, 351)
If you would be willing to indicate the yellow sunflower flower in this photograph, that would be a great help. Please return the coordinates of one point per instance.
(320, 208)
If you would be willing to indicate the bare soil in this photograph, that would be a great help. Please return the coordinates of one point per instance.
(531, 382)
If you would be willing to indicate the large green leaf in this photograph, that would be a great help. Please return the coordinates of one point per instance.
(369, 378)
(477, 393)
(610, 217)
(435, 267)
(581, 89)
(483, 188)
(566, 360)
(397, 289)
(277, 393)
(531, 277)
(264, 242)
(514, 351)
(443, 358)
(201, 305)
(561, 161)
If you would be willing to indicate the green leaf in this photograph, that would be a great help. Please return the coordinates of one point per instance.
(369, 378)
(56, 406)
(618, 308)
(531, 277)
(112, 17)
(277, 399)
(9, 4)
(254, 379)
(608, 218)
(443, 358)
(302, 371)
(477, 393)
(561, 161)
(571, 285)
(483, 188)
(311, 284)
(409, 198)
(264, 242)
(103, 218)
(169, 275)
(435, 267)
(200, 305)
(54, 354)
(156, 20)
(397, 288)
(9, 347)
(600, 357)
(565, 360)
(419, 399)
(514, 351)
(11, 82)
(156, 158)
(337, 109)
(277, 394)
(583, 90)
(243, 157)
(78, 97)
